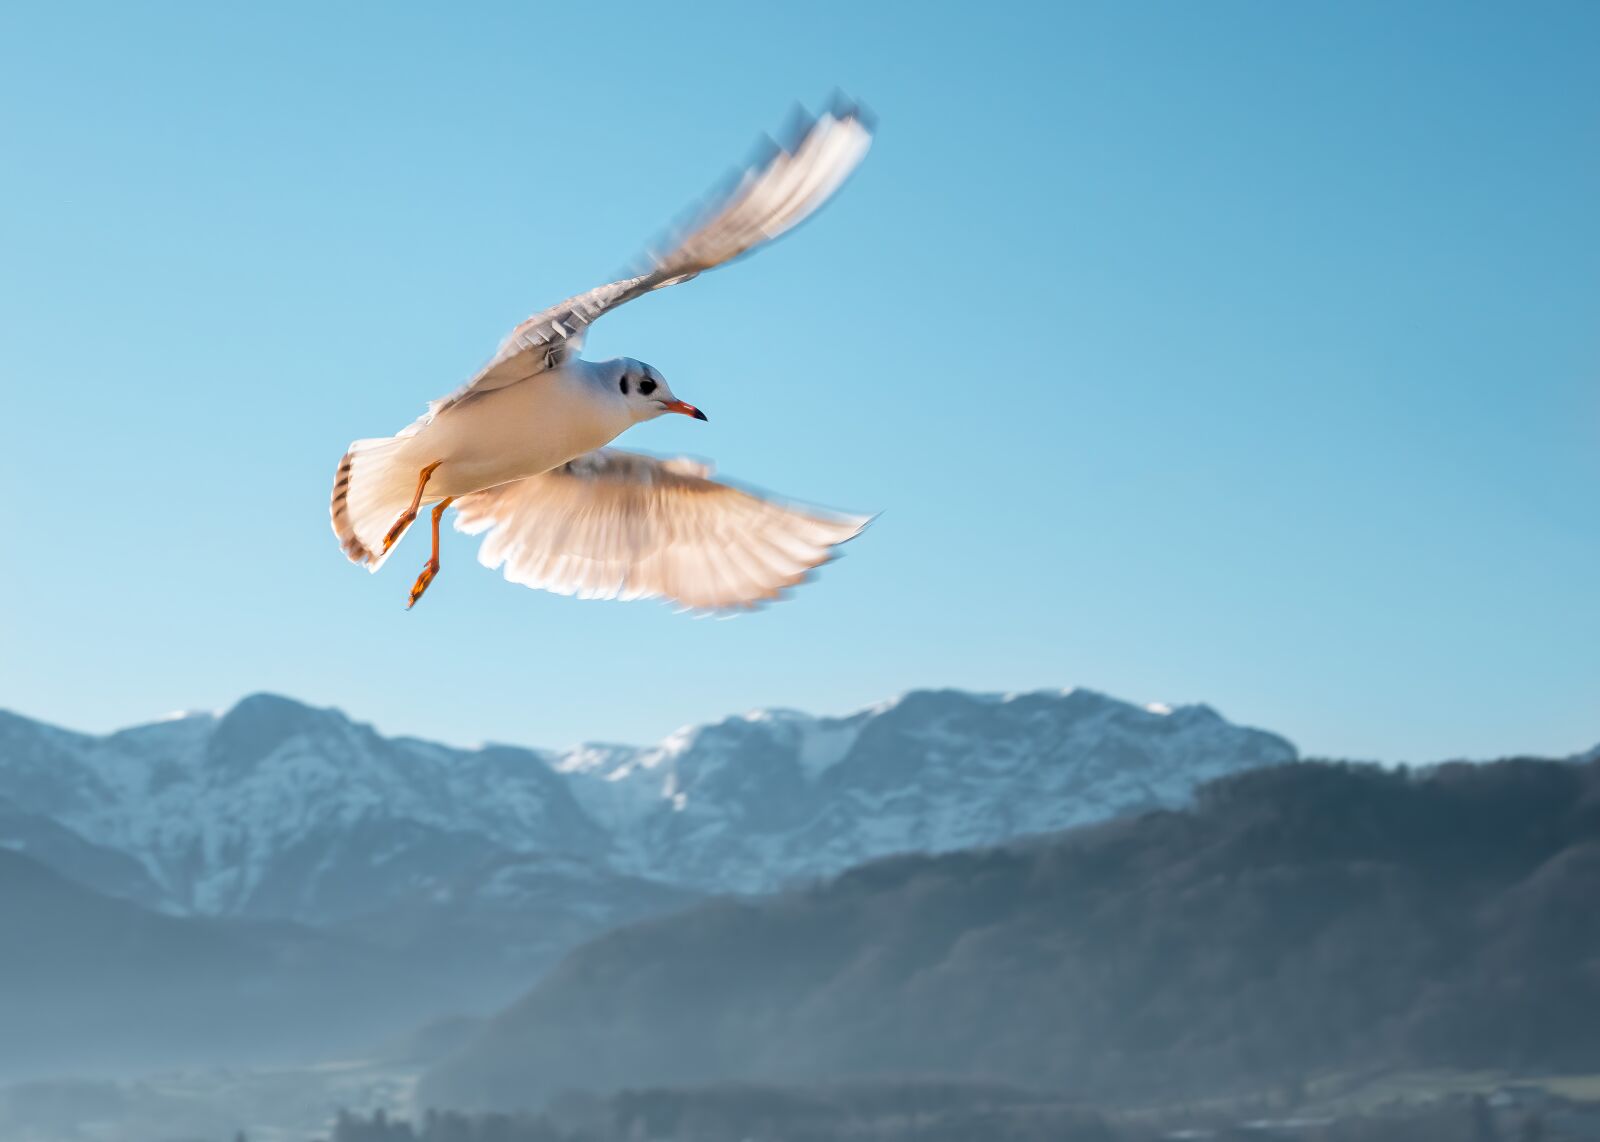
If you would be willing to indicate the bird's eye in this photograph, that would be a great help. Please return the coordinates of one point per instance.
(646, 387)
(624, 384)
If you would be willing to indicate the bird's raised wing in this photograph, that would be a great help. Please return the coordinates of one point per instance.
(620, 525)
(781, 189)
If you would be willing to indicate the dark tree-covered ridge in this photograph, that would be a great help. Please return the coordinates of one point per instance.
(1299, 918)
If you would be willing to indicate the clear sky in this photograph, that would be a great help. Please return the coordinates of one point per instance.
(1243, 353)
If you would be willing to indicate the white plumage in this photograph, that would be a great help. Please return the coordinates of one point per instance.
(618, 525)
(519, 449)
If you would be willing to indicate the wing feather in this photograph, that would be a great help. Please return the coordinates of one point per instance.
(620, 525)
(778, 192)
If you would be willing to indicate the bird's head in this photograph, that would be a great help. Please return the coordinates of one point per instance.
(646, 391)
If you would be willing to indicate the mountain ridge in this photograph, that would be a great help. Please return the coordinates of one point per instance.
(91, 980)
(1297, 920)
(496, 861)
(246, 812)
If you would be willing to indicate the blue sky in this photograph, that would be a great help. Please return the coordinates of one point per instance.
(1243, 353)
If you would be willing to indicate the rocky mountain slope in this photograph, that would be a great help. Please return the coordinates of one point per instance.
(279, 810)
(756, 802)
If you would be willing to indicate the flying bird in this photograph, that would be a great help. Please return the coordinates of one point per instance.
(519, 450)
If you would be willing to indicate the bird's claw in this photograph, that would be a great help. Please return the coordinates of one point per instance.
(429, 570)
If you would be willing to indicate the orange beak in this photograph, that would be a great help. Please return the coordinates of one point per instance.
(686, 409)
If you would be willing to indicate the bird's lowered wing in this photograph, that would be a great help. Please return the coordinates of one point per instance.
(782, 188)
(620, 525)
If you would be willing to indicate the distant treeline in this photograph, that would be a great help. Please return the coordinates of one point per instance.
(878, 1112)
(920, 1112)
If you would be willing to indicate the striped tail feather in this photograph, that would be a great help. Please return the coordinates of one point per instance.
(370, 490)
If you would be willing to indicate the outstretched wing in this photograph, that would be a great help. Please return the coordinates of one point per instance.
(620, 525)
(780, 190)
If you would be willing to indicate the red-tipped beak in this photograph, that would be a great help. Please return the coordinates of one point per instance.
(685, 408)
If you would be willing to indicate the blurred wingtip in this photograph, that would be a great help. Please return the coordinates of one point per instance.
(844, 108)
(796, 127)
(859, 523)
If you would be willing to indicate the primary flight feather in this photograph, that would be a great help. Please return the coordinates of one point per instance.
(519, 449)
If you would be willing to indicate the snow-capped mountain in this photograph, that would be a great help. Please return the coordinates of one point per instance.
(754, 802)
(277, 809)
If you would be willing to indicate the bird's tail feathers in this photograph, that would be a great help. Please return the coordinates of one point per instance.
(373, 486)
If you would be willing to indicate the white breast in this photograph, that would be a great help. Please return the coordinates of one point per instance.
(516, 432)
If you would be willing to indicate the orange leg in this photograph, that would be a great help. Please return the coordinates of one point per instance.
(431, 567)
(410, 514)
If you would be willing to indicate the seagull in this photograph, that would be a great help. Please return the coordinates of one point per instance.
(519, 450)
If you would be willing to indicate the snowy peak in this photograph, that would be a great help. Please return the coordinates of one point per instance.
(760, 800)
(279, 809)
(261, 724)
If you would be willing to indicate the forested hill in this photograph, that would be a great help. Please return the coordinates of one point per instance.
(1300, 918)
